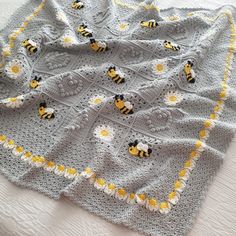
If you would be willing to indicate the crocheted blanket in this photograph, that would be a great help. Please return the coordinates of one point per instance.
(122, 107)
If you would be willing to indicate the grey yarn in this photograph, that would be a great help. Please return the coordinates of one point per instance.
(71, 76)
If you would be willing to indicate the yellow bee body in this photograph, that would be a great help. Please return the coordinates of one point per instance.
(44, 112)
(98, 46)
(189, 72)
(139, 149)
(115, 75)
(171, 46)
(77, 4)
(30, 45)
(84, 31)
(124, 106)
(149, 24)
(34, 83)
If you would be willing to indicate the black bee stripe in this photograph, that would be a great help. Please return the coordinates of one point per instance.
(121, 80)
(115, 78)
(123, 109)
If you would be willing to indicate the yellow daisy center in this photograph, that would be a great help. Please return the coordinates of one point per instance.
(104, 133)
(50, 164)
(164, 205)
(172, 98)
(101, 181)
(123, 26)
(15, 69)
(67, 40)
(159, 67)
(61, 168)
(12, 99)
(121, 192)
(71, 171)
(182, 173)
(28, 154)
(10, 142)
(172, 195)
(132, 196)
(88, 170)
(97, 100)
(142, 196)
(173, 18)
(111, 186)
(3, 138)
(152, 202)
(178, 184)
(19, 149)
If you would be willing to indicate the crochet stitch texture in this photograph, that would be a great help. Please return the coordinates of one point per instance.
(122, 107)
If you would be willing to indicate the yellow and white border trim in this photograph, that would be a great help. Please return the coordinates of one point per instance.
(119, 192)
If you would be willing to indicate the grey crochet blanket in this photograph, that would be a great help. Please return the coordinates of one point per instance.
(122, 107)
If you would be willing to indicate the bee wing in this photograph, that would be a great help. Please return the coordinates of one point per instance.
(142, 147)
(49, 110)
(89, 30)
(128, 105)
(32, 43)
(152, 20)
(119, 72)
(193, 73)
(102, 44)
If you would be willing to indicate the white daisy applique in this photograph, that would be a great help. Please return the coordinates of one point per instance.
(14, 102)
(61, 16)
(68, 40)
(173, 97)
(18, 151)
(160, 67)
(104, 132)
(14, 69)
(96, 100)
(123, 26)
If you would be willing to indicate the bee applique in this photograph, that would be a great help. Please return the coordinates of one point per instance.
(77, 4)
(139, 149)
(44, 112)
(149, 24)
(98, 46)
(125, 107)
(171, 46)
(115, 75)
(34, 83)
(84, 31)
(189, 72)
(30, 45)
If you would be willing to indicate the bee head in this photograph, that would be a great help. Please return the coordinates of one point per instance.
(156, 24)
(37, 78)
(190, 63)
(43, 104)
(83, 26)
(92, 40)
(119, 97)
(149, 150)
(112, 68)
(26, 40)
(132, 148)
